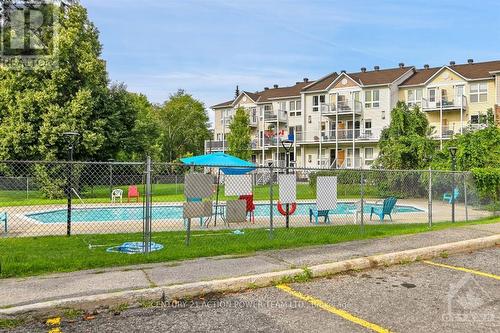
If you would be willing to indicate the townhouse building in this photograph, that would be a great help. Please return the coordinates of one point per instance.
(336, 121)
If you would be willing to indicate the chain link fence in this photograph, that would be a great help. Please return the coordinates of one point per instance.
(285, 205)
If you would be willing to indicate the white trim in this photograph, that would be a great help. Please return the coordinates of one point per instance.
(338, 77)
(440, 70)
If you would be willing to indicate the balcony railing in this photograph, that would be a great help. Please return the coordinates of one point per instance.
(341, 134)
(280, 115)
(211, 145)
(446, 103)
(342, 108)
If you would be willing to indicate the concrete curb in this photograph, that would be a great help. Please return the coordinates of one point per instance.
(241, 283)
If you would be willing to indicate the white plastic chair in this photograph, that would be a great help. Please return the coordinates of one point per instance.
(117, 193)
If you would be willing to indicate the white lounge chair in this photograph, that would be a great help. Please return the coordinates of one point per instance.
(117, 193)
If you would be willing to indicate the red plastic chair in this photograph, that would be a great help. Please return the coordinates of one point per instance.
(250, 205)
(133, 192)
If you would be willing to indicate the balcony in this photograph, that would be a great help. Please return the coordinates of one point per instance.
(344, 135)
(277, 116)
(342, 108)
(459, 102)
(213, 146)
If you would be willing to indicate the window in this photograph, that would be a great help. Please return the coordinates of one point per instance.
(282, 106)
(317, 101)
(432, 95)
(295, 109)
(369, 156)
(372, 99)
(478, 119)
(414, 97)
(478, 92)
(368, 127)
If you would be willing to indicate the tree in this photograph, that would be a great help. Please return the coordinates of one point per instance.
(183, 123)
(239, 139)
(38, 105)
(406, 143)
(475, 149)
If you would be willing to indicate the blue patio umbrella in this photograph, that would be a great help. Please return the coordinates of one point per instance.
(226, 163)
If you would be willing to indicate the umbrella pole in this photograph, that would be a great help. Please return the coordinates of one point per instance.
(217, 198)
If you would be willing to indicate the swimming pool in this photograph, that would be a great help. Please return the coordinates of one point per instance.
(123, 213)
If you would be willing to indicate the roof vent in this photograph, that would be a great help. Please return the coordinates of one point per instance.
(266, 88)
(401, 65)
(298, 82)
(470, 61)
(363, 69)
(426, 66)
(343, 71)
(452, 63)
(275, 86)
(376, 68)
(306, 79)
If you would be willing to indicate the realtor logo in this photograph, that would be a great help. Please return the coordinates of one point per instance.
(469, 302)
(28, 30)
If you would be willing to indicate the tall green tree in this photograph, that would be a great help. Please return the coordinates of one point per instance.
(406, 143)
(38, 105)
(183, 123)
(238, 139)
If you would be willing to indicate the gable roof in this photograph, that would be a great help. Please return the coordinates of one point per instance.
(275, 93)
(222, 105)
(322, 83)
(474, 71)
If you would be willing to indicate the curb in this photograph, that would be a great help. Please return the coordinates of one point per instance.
(241, 283)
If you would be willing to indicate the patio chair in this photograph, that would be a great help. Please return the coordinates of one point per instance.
(250, 206)
(451, 197)
(386, 208)
(4, 218)
(133, 192)
(117, 194)
(317, 214)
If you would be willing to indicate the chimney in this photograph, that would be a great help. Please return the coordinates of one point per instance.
(470, 61)
(376, 68)
(343, 71)
(426, 66)
(306, 79)
(266, 88)
(275, 86)
(452, 63)
(401, 65)
(363, 69)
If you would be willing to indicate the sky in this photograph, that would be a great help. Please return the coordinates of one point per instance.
(208, 47)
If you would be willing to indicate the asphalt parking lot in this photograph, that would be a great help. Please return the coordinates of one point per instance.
(452, 294)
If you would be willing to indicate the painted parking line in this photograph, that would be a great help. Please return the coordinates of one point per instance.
(327, 307)
(463, 269)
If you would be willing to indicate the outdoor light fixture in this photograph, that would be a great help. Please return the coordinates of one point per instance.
(453, 151)
(287, 144)
(71, 138)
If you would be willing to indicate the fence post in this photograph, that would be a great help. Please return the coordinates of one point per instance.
(465, 198)
(362, 203)
(271, 201)
(69, 185)
(147, 208)
(429, 203)
(27, 187)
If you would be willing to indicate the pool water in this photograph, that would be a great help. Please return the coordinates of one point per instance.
(122, 214)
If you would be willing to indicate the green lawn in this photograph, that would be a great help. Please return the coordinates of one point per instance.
(169, 193)
(33, 256)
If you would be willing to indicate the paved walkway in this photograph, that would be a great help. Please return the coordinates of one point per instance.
(20, 291)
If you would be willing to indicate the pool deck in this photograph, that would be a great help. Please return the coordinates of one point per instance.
(22, 226)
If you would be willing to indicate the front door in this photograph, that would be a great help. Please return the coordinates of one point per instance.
(341, 157)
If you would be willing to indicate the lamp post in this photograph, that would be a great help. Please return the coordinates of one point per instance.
(453, 153)
(71, 138)
(287, 145)
(111, 177)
